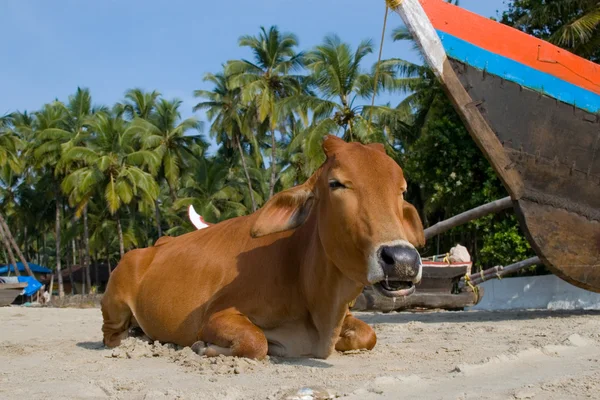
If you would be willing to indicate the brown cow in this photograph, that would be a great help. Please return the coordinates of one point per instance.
(278, 281)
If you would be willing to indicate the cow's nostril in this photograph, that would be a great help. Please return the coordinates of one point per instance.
(387, 255)
(399, 260)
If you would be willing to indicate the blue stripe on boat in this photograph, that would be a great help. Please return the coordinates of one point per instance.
(519, 73)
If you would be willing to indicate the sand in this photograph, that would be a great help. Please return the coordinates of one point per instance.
(56, 353)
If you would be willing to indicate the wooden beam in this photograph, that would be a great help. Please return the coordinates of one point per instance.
(460, 219)
(499, 271)
(370, 300)
(11, 256)
(11, 239)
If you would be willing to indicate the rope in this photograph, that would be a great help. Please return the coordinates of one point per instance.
(393, 3)
(387, 6)
(447, 259)
(474, 288)
(352, 303)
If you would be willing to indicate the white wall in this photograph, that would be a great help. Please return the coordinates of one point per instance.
(536, 292)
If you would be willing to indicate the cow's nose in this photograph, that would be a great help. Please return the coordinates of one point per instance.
(400, 262)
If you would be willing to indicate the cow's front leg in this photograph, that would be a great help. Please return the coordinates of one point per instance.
(231, 333)
(355, 335)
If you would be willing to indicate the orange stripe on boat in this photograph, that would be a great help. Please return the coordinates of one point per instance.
(512, 43)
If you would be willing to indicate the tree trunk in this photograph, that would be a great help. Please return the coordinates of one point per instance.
(74, 252)
(61, 289)
(11, 239)
(51, 288)
(273, 169)
(108, 259)
(239, 146)
(121, 242)
(11, 255)
(96, 270)
(25, 247)
(86, 241)
(82, 266)
(351, 129)
(157, 213)
(70, 269)
(171, 191)
(45, 254)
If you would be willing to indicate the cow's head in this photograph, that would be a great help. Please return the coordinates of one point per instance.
(365, 226)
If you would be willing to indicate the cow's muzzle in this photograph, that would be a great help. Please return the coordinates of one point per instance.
(402, 269)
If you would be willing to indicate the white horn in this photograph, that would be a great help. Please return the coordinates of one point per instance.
(195, 218)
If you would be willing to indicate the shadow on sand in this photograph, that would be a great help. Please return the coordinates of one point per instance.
(429, 317)
(91, 345)
(305, 362)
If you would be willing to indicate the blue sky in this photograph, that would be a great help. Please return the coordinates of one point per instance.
(51, 47)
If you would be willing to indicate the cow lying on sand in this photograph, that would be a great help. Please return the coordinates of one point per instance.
(278, 281)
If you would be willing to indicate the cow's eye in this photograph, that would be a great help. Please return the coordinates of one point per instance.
(333, 184)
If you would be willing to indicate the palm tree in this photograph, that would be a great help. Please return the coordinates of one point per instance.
(339, 84)
(138, 104)
(211, 191)
(297, 162)
(58, 128)
(170, 138)
(10, 145)
(571, 24)
(50, 133)
(112, 169)
(267, 79)
(419, 81)
(224, 108)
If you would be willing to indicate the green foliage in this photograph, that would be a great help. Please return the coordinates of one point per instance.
(453, 177)
(571, 24)
(452, 174)
(136, 166)
(503, 242)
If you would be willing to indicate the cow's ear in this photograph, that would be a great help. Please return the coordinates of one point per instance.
(413, 227)
(332, 144)
(284, 211)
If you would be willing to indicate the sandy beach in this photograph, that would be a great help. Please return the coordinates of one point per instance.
(56, 353)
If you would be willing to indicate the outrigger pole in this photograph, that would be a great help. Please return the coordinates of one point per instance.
(475, 213)
(497, 272)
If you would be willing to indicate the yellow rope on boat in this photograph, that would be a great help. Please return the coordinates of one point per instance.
(352, 303)
(393, 3)
(473, 287)
(447, 258)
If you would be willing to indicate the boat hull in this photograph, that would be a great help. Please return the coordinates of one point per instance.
(537, 123)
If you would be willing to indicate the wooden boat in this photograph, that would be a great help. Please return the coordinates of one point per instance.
(438, 289)
(9, 292)
(534, 111)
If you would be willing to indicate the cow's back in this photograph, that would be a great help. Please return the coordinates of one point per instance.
(185, 276)
(190, 276)
(125, 278)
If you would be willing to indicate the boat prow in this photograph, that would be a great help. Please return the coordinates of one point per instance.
(534, 111)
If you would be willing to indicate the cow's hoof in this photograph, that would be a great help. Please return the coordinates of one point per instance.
(199, 348)
(210, 350)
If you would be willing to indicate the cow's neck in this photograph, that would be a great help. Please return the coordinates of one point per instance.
(327, 290)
